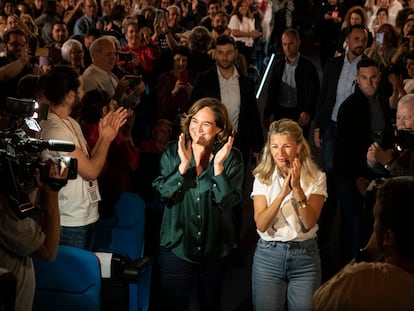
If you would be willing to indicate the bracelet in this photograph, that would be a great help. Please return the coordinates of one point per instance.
(303, 203)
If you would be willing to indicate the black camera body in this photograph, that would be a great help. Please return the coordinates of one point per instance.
(62, 162)
(395, 139)
(20, 156)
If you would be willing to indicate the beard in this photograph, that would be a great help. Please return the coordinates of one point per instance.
(225, 65)
(220, 29)
(76, 106)
(358, 51)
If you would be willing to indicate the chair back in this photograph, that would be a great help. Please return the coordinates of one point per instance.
(124, 233)
(71, 282)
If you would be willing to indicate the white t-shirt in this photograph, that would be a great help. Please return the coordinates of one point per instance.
(75, 206)
(286, 226)
(246, 25)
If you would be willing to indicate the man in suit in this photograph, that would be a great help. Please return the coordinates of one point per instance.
(293, 86)
(337, 84)
(223, 81)
(361, 115)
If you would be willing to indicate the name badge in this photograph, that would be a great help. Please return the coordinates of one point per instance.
(93, 191)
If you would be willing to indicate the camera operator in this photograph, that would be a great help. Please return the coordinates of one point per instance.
(78, 200)
(394, 162)
(23, 238)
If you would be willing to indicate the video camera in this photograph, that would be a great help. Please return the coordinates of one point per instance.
(20, 154)
(395, 139)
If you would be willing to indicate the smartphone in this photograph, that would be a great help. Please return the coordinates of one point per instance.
(125, 56)
(159, 17)
(17, 12)
(184, 76)
(133, 80)
(379, 38)
(405, 40)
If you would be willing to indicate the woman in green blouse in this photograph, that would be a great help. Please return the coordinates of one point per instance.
(201, 181)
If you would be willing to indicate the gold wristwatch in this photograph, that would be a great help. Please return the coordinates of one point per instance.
(303, 203)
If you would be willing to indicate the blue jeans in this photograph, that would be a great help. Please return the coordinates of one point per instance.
(82, 236)
(177, 281)
(285, 273)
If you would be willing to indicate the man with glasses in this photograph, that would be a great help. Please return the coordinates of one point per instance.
(16, 63)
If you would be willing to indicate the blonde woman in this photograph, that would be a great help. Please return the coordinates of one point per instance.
(288, 194)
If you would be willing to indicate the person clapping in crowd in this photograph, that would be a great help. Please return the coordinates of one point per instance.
(201, 179)
(288, 194)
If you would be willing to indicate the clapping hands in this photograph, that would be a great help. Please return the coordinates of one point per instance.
(110, 124)
(185, 153)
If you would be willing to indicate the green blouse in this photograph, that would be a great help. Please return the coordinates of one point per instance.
(200, 217)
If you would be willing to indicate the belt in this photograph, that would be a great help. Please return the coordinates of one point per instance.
(292, 244)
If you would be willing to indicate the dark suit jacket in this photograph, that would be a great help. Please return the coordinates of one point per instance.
(307, 86)
(249, 137)
(327, 95)
(355, 135)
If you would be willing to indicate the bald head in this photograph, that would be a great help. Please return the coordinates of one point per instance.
(103, 53)
(405, 112)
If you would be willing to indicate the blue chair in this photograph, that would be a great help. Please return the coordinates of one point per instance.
(123, 236)
(71, 282)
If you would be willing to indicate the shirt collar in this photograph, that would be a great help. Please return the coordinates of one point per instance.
(234, 76)
(355, 61)
(294, 62)
(100, 70)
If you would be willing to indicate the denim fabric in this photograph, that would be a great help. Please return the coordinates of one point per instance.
(285, 274)
(178, 277)
(82, 236)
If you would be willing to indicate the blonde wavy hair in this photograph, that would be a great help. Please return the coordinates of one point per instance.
(266, 167)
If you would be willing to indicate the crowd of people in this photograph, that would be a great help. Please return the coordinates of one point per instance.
(162, 99)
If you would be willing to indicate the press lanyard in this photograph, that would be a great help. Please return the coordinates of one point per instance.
(72, 129)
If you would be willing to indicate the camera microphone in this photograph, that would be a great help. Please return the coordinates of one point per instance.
(54, 145)
(60, 145)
